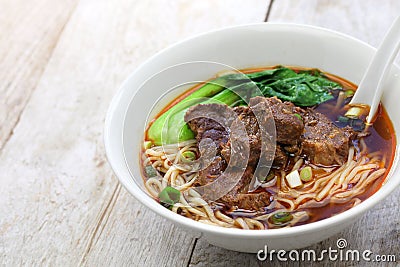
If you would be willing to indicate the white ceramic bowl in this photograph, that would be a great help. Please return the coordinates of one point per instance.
(244, 46)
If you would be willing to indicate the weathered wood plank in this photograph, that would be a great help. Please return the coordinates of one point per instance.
(379, 229)
(209, 255)
(29, 32)
(60, 203)
(366, 20)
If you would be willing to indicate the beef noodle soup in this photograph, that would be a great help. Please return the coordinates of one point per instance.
(319, 159)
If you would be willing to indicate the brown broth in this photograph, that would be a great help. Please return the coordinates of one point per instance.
(381, 138)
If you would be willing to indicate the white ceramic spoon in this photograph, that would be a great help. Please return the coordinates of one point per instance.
(377, 72)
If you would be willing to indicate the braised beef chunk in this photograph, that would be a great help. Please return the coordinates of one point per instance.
(240, 197)
(298, 132)
(209, 128)
(323, 142)
(252, 201)
(266, 124)
(205, 127)
(292, 150)
(280, 159)
(212, 172)
(258, 124)
(247, 117)
(289, 126)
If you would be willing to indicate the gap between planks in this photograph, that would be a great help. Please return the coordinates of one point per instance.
(192, 251)
(271, 3)
(104, 215)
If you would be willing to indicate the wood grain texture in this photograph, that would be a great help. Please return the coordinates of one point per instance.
(379, 229)
(29, 31)
(60, 204)
(366, 20)
(209, 255)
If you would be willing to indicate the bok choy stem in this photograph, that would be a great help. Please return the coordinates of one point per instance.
(305, 88)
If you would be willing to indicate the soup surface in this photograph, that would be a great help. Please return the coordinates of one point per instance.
(266, 148)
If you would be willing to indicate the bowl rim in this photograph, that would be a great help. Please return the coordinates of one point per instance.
(150, 203)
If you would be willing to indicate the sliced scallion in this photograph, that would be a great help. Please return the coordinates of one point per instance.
(150, 171)
(189, 155)
(355, 112)
(169, 196)
(343, 119)
(357, 124)
(147, 144)
(349, 93)
(306, 174)
(280, 218)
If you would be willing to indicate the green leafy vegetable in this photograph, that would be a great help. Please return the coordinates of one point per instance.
(171, 128)
(302, 89)
(169, 196)
(306, 88)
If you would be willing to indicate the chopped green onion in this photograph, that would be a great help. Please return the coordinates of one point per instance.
(354, 112)
(306, 174)
(357, 124)
(169, 196)
(147, 144)
(349, 93)
(343, 119)
(189, 155)
(298, 116)
(280, 218)
(150, 171)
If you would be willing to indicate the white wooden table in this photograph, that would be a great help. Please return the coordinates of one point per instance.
(60, 64)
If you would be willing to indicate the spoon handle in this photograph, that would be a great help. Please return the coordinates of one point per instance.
(378, 71)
